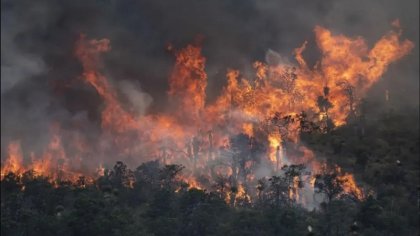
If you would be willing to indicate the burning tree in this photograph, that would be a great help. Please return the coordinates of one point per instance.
(278, 191)
(324, 105)
(334, 184)
(293, 177)
(247, 116)
(329, 184)
(349, 91)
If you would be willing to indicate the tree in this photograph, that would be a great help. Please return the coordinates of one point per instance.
(121, 176)
(348, 90)
(148, 173)
(240, 145)
(278, 191)
(324, 105)
(221, 186)
(168, 176)
(329, 183)
(293, 177)
(369, 214)
(261, 187)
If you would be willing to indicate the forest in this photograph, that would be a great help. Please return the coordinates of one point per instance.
(151, 200)
(222, 117)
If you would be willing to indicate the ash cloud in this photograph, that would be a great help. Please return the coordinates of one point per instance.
(39, 72)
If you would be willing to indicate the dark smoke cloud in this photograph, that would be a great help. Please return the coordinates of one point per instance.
(39, 72)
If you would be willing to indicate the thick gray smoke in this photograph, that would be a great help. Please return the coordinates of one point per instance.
(39, 74)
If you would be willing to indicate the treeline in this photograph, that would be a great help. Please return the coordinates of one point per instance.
(159, 203)
(380, 149)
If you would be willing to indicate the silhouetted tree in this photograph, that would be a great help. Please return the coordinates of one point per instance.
(329, 183)
(278, 191)
(121, 176)
(168, 176)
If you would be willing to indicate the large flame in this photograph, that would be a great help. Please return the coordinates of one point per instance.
(188, 83)
(264, 107)
(14, 161)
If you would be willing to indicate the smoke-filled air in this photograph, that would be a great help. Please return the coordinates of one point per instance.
(306, 113)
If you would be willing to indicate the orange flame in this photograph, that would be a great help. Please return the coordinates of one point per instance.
(14, 161)
(192, 130)
(350, 185)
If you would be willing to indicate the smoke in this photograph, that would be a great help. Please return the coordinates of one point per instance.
(138, 99)
(17, 64)
(40, 74)
(273, 58)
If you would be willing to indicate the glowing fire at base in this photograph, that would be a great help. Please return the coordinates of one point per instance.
(195, 133)
(14, 161)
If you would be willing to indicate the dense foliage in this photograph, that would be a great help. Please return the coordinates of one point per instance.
(381, 152)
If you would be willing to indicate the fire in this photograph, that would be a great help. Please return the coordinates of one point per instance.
(275, 148)
(265, 106)
(188, 82)
(294, 190)
(247, 128)
(350, 61)
(14, 161)
(114, 117)
(53, 163)
(350, 185)
(237, 195)
(241, 195)
(100, 170)
(192, 182)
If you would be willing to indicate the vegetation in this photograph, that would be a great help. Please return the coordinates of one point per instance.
(150, 200)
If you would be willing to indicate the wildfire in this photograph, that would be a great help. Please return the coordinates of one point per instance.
(192, 182)
(53, 163)
(188, 83)
(350, 185)
(241, 195)
(100, 170)
(275, 149)
(247, 128)
(264, 107)
(294, 190)
(14, 160)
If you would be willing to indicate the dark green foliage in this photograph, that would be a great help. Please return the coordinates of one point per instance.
(152, 200)
(381, 150)
(329, 183)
